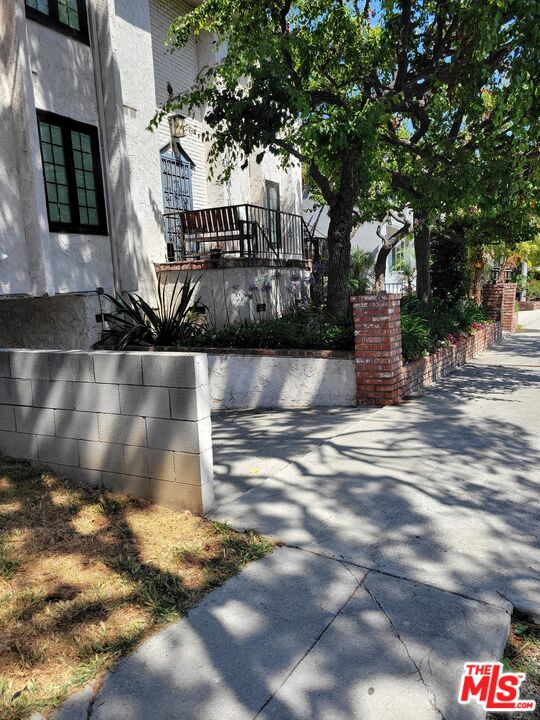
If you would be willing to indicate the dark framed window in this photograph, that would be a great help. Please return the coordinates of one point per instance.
(67, 16)
(72, 175)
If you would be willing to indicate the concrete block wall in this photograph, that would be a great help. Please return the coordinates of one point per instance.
(133, 422)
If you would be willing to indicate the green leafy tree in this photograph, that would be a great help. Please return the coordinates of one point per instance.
(342, 85)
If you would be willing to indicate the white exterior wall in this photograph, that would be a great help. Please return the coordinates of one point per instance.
(132, 43)
(231, 295)
(180, 68)
(63, 83)
(249, 382)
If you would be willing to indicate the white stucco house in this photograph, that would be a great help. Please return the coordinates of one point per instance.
(92, 199)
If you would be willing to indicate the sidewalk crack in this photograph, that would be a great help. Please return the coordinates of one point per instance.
(310, 648)
(430, 694)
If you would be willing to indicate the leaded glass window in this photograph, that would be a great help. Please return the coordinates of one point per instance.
(54, 169)
(72, 175)
(41, 6)
(67, 16)
(68, 13)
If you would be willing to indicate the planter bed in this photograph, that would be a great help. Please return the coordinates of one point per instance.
(428, 369)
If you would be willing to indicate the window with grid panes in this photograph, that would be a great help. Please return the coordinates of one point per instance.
(67, 16)
(72, 175)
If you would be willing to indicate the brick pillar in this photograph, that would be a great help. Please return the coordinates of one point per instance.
(377, 349)
(499, 301)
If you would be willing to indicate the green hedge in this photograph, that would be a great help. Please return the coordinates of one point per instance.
(424, 330)
(301, 330)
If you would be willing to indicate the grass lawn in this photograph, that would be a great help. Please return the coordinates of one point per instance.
(86, 574)
(522, 654)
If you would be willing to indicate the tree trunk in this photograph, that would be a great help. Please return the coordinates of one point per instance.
(422, 253)
(478, 269)
(339, 253)
(380, 268)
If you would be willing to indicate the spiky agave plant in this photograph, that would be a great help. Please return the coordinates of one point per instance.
(173, 322)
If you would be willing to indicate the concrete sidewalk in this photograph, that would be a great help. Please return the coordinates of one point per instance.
(410, 532)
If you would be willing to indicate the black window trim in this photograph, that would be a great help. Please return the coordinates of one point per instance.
(66, 125)
(52, 20)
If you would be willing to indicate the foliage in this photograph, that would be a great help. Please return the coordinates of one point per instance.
(173, 322)
(297, 330)
(381, 102)
(425, 329)
(533, 289)
(361, 265)
(449, 267)
(361, 262)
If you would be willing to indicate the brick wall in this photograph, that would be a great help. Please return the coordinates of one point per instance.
(529, 305)
(499, 301)
(377, 342)
(134, 422)
(381, 377)
(433, 367)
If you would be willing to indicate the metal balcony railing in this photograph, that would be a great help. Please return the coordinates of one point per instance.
(247, 231)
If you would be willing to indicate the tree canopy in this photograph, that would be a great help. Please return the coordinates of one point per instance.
(386, 102)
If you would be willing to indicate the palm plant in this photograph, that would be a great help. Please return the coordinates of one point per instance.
(172, 322)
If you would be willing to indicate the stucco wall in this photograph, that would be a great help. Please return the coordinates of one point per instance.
(64, 83)
(180, 68)
(231, 294)
(24, 235)
(132, 49)
(62, 321)
(250, 382)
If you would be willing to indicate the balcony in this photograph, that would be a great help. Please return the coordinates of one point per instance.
(246, 231)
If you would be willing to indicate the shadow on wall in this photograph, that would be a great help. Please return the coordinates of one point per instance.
(258, 382)
(89, 416)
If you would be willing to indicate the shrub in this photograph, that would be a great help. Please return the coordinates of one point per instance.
(361, 266)
(423, 330)
(533, 289)
(173, 322)
(297, 330)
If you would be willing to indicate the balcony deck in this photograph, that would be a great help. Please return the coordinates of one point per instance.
(238, 231)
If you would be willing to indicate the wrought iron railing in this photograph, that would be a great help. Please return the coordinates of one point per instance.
(247, 231)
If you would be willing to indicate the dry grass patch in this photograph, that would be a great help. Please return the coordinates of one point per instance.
(522, 654)
(85, 574)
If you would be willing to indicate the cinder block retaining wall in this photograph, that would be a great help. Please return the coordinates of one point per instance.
(251, 378)
(134, 422)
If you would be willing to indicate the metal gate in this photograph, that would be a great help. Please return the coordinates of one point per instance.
(177, 196)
